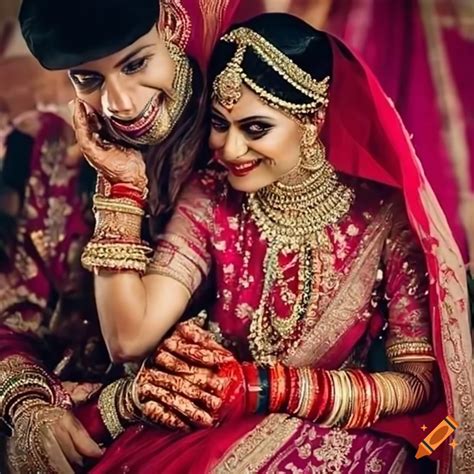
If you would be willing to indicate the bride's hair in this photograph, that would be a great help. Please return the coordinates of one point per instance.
(307, 47)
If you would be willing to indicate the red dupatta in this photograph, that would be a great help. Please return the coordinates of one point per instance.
(366, 138)
(196, 25)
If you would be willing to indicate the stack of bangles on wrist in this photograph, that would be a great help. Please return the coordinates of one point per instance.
(346, 398)
(118, 407)
(116, 244)
(21, 380)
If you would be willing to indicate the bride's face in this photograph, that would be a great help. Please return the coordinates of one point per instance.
(256, 143)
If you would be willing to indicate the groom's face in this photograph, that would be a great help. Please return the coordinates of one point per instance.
(131, 88)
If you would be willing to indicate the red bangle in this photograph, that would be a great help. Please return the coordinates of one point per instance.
(277, 388)
(360, 407)
(372, 411)
(366, 406)
(329, 399)
(320, 396)
(121, 190)
(355, 399)
(253, 386)
(294, 392)
(123, 187)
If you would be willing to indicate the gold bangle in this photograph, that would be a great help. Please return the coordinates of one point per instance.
(116, 205)
(305, 390)
(115, 256)
(355, 399)
(117, 226)
(379, 395)
(335, 382)
(108, 408)
(407, 350)
(347, 395)
(20, 379)
(343, 397)
(125, 406)
(308, 402)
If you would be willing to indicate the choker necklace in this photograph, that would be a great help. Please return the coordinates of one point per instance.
(291, 216)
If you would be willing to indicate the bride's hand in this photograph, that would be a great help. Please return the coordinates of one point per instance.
(118, 164)
(165, 397)
(192, 371)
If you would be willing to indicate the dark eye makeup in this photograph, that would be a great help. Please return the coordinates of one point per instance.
(254, 128)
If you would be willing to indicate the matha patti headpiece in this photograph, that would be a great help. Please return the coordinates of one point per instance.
(227, 86)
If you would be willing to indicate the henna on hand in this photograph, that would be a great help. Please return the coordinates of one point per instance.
(181, 386)
(193, 333)
(117, 163)
(203, 377)
(195, 353)
(174, 364)
(182, 405)
(157, 413)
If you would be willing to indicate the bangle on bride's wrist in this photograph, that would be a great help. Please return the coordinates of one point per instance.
(354, 402)
(125, 405)
(336, 399)
(373, 401)
(278, 390)
(324, 392)
(330, 396)
(293, 390)
(108, 403)
(347, 398)
(120, 205)
(307, 394)
(20, 388)
(253, 387)
(263, 395)
(320, 394)
(361, 405)
(115, 257)
(121, 190)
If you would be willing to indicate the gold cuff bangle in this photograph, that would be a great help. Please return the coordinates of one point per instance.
(107, 405)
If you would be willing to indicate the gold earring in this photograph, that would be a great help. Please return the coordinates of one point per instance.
(313, 152)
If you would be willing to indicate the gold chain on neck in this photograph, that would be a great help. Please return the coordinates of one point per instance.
(292, 218)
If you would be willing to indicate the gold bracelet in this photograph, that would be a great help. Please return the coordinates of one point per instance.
(414, 350)
(335, 382)
(355, 399)
(117, 226)
(107, 405)
(125, 206)
(305, 390)
(309, 396)
(125, 405)
(342, 397)
(115, 256)
(20, 379)
(347, 398)
(27, 453)
(379, 394)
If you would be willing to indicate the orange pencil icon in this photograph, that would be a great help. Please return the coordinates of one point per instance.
(436, 437)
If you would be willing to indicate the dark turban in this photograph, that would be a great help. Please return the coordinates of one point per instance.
(62, 34)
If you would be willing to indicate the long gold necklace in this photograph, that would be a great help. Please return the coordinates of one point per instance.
(292, 218)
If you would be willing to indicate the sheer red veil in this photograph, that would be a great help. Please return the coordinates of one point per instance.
(366, 138)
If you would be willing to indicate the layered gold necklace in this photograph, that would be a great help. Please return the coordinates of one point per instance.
(292, 218)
